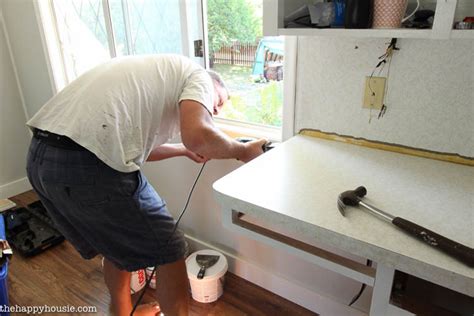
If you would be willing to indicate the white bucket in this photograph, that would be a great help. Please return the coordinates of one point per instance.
(211, 287)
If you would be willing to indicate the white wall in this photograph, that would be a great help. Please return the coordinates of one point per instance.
(29, 57)
(14, 136)
(430, 99)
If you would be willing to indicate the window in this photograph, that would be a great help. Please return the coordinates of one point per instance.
(93, 31)
(251, 65)
(82, 35)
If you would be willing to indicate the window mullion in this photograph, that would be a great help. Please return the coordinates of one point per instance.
(109, 28)
(53, 43)
(184, 28)
(126, 23)
(67, 63)
(205, 42)
(289, 87)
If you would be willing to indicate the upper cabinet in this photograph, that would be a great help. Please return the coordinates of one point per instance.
(278, 15)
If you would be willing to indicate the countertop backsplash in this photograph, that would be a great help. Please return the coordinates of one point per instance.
(430, 100)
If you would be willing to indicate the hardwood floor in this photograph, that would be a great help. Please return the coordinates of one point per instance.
(60, 277)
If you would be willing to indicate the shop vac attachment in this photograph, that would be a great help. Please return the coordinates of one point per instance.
(30, 230)
(266, 147)
(456, 250)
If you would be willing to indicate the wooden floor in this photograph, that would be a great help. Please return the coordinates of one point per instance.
(59, 276)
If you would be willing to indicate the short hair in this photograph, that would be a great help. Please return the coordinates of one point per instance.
(218, 79)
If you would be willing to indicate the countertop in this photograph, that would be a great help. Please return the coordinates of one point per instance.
(296, 186)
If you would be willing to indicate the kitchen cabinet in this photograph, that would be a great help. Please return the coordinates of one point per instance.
(274, 12)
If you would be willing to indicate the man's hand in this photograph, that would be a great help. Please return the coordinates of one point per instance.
(253, 149)
(195, 157)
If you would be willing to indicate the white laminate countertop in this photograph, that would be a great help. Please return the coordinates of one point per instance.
(296, 186)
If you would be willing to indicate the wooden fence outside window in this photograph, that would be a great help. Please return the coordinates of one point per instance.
(240, 54)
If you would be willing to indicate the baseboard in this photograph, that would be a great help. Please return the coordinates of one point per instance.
(14, 188)
(277, 284)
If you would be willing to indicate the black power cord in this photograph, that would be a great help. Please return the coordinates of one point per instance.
(148, 280)
(362, 288)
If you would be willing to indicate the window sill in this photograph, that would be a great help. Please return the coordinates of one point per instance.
(236, 129)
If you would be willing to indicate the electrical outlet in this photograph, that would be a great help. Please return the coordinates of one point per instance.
(374, 92)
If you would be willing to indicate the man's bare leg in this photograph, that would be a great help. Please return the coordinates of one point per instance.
(118, 283)
(172, 288)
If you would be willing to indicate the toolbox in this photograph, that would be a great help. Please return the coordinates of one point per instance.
(30, 230)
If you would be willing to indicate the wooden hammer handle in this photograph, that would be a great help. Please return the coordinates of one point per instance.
(454, 249)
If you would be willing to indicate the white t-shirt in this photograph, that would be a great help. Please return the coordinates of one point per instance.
(124, 108)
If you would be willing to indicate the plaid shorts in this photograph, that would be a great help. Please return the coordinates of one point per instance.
(103, 211)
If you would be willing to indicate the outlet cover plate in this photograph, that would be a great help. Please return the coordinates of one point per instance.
(374, 92)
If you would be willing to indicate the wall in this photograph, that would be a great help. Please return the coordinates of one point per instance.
(14, 136)
(430, 100)
(29, 57)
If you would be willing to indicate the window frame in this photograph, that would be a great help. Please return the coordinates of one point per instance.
(51, 44)
(276, 134)
(242, 128)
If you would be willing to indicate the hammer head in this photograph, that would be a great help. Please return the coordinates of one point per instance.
(350, 198)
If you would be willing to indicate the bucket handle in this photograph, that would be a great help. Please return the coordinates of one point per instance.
(414, 11)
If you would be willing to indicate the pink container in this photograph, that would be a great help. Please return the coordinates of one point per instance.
(388, 14)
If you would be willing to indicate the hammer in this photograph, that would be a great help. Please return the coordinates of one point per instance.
(454, 249)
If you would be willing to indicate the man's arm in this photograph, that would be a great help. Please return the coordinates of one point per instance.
(200, 135)
(166, 151)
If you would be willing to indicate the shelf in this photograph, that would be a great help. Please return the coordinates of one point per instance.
(275, 11)
(373, 33)
(469, 34)
(358, 33)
